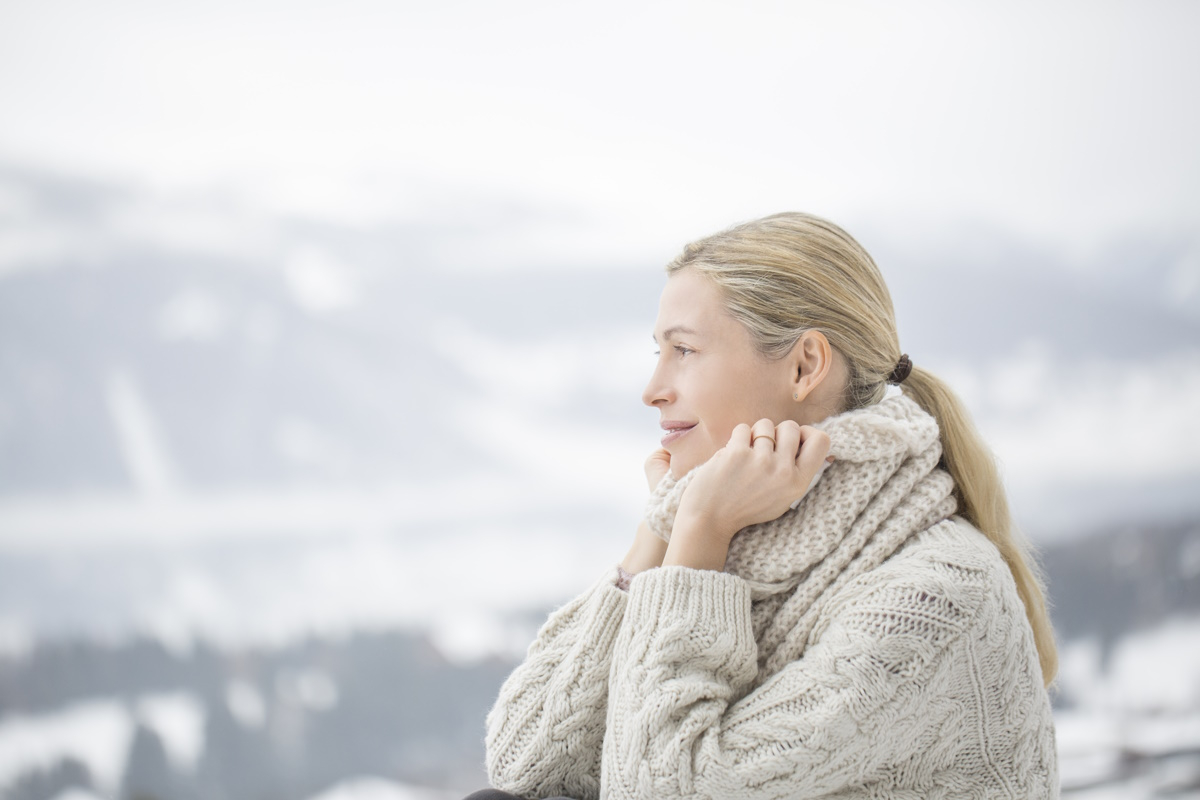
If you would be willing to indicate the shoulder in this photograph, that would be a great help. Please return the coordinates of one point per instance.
(939, 584)
(952, 553)
(953, 542)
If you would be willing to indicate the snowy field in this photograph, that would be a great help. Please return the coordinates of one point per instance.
(294, 652)
(1132, 729)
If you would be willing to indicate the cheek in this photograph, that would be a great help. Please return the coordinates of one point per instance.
(720, 422)
(750, 401)
(699, 449)
(719, 409)
(714, 439)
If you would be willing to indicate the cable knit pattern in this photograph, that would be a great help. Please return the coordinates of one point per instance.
(865, 644)
(546, 728)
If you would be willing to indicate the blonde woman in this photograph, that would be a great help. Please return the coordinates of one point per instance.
(827, 596)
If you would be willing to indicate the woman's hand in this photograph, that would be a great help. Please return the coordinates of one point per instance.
(754, 478)
(657, 465)
(648, 550)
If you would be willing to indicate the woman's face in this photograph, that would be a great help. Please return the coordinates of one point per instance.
(709, 377)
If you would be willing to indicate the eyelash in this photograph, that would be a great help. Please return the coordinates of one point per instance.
(683, 351)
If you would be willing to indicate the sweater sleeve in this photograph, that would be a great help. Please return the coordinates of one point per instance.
(683, 721)
(545, 731)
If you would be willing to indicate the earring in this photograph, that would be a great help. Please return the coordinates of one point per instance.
(796, 396)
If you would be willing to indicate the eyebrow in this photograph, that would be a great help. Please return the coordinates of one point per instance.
(669, 332)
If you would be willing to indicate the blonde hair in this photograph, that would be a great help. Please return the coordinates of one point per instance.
(789, 273)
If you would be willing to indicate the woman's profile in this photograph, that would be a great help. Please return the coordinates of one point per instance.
(827, 596)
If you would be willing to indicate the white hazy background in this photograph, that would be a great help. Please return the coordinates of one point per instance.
(338, 273)
(317, 317)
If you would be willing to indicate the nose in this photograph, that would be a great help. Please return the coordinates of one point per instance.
(658, 391)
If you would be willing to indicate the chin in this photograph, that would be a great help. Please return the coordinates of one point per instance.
(683, 464)
(678, 469)
(691, 452)
(681, 467)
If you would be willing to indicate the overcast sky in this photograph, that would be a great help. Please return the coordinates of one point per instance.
(261, 178)
(996, 152)
(614, 132)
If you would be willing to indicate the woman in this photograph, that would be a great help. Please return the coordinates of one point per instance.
(826, 597)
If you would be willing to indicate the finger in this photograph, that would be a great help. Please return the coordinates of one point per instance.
(656, 466)
(762, 437)
(661, 454)
(787, 438)
(814, 446)
(740, 436)
(660, 459)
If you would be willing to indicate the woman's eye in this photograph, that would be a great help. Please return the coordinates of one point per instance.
(683, 351)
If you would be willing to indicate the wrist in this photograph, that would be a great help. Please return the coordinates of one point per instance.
(646, 553)
(697, 544)
(704, 524)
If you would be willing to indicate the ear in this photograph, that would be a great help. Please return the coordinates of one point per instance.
(810, 360)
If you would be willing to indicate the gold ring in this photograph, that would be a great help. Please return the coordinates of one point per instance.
(754, 439)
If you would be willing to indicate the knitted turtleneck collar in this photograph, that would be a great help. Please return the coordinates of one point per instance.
(883, 487)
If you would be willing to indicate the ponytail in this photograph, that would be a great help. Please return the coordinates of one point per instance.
(983, 502)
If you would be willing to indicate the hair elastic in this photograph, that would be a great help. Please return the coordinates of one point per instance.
(903, 367)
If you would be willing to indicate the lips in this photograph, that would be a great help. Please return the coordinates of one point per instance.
(675, 430)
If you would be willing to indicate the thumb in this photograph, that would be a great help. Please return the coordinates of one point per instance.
(656, 466)
(660, 456)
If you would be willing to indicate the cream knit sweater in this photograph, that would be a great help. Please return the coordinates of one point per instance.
(897, 665)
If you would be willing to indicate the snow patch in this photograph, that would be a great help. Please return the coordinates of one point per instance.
(1151, 671)
(96, 732)
(178, 719)
(139, 436)
(246, 703)
(16, 638)
(311, 688)
(380, 789)
(75, 793)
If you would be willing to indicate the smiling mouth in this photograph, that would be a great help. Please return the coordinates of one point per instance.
(675, 434)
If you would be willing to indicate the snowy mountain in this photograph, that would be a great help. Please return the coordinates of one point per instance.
(181, 351)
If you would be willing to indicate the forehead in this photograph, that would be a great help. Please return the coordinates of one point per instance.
(690, 300)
